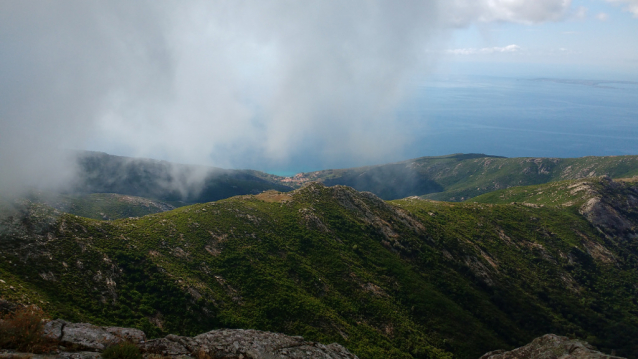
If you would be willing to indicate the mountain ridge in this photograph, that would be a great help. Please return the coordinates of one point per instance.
(456, 177)
(459, 177)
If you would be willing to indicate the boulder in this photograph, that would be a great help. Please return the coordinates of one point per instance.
(551, 346)
(90, 337)
(53, 329)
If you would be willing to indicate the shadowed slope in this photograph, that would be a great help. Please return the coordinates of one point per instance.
(165, 181)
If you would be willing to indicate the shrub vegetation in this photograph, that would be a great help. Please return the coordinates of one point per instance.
(22, 330)
(124, 350)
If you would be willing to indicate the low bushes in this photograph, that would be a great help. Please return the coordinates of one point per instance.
(125, 350)
(22, 330)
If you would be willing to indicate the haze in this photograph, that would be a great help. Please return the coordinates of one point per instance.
(271, 85)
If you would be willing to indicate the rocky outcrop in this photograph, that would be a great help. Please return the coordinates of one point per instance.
(223, 343)
(86, 336)
(551, 346)
(601, 214)
(613, 209)
(248, 344)
(10, 354)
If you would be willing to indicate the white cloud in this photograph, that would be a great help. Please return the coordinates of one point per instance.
(464, 12)
(231, 83)
(602, 16)
(630, 5)
(580, 13)
(485, 50)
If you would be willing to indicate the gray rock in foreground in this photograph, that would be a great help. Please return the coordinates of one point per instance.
(249, 344)
(86, 336)
(10, 354)
(551, 346)
(223, 343)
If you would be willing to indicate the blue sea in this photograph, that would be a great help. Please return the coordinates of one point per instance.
(508, 116)
(512, 117)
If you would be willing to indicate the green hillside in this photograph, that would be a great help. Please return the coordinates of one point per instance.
(174, 183)
(568, 193)
(410, 278)
(462, 176)
(104, 206)
(446, 178)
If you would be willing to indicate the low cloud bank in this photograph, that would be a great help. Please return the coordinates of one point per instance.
(225, 83)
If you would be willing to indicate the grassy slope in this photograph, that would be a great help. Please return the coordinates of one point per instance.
(463, 176)
(413, 278)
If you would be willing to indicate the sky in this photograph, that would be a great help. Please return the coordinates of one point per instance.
(590, 38)
(268, 84)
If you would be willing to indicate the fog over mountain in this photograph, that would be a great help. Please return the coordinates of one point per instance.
(223, 83)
